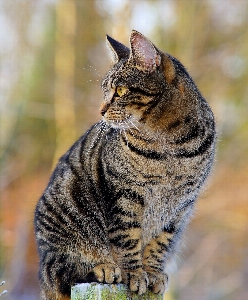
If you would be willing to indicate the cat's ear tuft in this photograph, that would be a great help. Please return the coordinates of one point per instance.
(143, 52)
(168, 68)
(117, 50)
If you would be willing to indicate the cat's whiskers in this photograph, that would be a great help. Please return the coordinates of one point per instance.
(143, 133)
(127, 122)
(127, 125)
(133, 124)
(131, 132)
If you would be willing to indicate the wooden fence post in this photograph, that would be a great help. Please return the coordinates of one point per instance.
(97, 291)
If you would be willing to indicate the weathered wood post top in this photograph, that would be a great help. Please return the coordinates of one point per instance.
(98, 291)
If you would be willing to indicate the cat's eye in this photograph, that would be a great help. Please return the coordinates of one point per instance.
(121, 90)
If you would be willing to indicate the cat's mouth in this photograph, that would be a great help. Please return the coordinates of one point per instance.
(128, 122)
(117, 123)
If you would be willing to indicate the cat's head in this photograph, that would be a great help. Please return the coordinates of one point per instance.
(139, 81)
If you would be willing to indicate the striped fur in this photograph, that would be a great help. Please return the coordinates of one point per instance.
(119, 200)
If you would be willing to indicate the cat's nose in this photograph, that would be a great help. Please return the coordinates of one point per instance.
(104, 107)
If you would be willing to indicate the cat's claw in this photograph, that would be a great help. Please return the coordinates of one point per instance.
(158, 282)
(137, 281)
(107, 273)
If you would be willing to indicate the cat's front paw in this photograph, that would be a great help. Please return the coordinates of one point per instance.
(137, 281)
(106, 273)
(158, 282)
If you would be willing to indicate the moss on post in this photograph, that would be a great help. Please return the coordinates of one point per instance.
(97, 291)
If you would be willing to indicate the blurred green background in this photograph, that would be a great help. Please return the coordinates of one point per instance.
(52, 59)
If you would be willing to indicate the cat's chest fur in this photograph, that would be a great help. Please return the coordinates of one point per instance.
(132, 166)
(152, 178)
(157, 212)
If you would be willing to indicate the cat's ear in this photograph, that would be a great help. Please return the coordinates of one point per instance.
(143, 52)
(117, 50)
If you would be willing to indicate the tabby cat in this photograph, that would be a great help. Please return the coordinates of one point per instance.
(119, 200)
